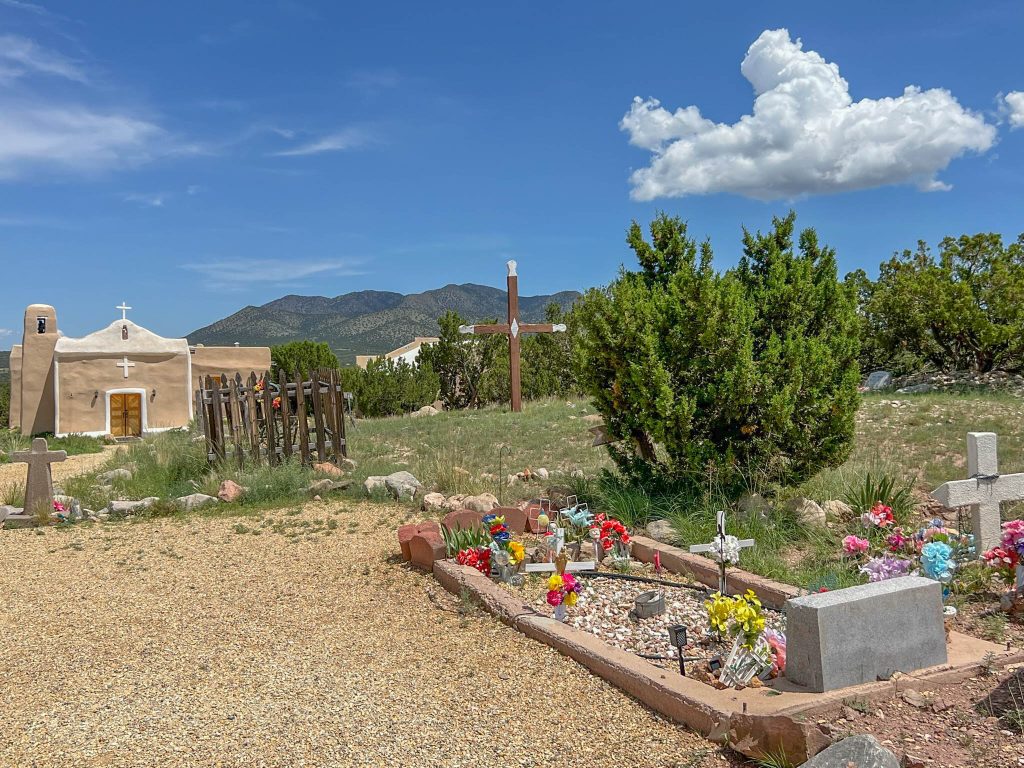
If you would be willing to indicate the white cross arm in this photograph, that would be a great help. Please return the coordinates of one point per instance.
(466, 328)
(573, 565)
(559, 328)
(964, 493)
(696, 548)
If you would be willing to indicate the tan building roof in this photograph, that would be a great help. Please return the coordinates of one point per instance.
(110, 340)
(363, 360)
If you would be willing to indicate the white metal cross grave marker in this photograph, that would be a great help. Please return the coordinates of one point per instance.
(724, 549)
(982, 491)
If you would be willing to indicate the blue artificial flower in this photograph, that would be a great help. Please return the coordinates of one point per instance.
(501, 536)
(488, 519)
(936, 561)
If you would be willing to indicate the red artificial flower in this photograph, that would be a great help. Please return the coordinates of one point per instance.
(606, 543)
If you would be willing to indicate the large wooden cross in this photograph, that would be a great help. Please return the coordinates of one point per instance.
(513, 329)
(983, 491)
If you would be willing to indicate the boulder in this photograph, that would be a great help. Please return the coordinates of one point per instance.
(914, 389)
(433, 502)
(108, 478)
(406, 532)
(374, 484)
(426, 410)
(807, 511)
(662, 530)
(837, 510)
(346, 463)
(541, 473)
(511, 480)
(130, 507)
(326, 468)
(403, 485)
(195, 501)
(425, 548)
(230, 491)
(515, 518)
(752, 505)
(453, 503)
(326, 485)
(484, 503)
(862, 751)
(878, 380)
(463, 519)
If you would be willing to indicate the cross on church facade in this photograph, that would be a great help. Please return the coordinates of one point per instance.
(39, 486)
(513, 329)
(983, 491)
(125, 365)
(725, 549)
(124, 310)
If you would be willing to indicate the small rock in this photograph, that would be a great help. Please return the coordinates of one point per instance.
(862, 751)
(662, 530)
(433, 502)
(878, 380)
(912, 761)
(915, 699)
(484, 503)
(511, 480)
(121, 473)
(850, 713)
(837, 510)
(426, 410)
(230, 491)
(195, 501)
(374, 484)
(914, 389)
(326, 468)
(129, 507)
(577, 473)
(752, 505)
(541, 473)
(317, 498)
(326, 485)
(403, 485)
(346, 463)
(807, 511)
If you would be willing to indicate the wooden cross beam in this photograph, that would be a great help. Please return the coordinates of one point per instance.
(513, 329)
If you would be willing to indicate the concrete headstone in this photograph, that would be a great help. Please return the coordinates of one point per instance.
(864, 633)
(39, 486)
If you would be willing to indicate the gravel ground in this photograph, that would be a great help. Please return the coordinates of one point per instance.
(604, 606)
(295, 639)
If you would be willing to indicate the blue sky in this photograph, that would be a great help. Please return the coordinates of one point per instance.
(193, 158)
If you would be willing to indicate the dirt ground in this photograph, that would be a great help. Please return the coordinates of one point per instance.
(950, 728)
(293, 639)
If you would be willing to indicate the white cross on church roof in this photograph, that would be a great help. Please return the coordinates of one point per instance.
(124, 310)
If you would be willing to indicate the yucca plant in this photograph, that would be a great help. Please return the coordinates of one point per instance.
(463, 538)
(883, 488)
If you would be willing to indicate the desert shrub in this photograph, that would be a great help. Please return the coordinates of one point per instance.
(462, 362)
(390, 388)
(959, 311)
(5, 403)
(302, 357)
(884, 488)
(699, 373)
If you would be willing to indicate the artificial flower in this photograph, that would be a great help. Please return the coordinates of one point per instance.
(885, 567)
(554, 597)
(516, 552)
(854, 545)
(555, 581)
(897, 540)
(936, 561)
(879, 516)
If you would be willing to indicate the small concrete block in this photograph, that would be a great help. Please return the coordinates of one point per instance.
(462, 519)
(515, 518)
(864, 633)
(425, 548)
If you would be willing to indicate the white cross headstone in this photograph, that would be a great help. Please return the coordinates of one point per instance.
(983, 491)
(125, 365)
(725, 548)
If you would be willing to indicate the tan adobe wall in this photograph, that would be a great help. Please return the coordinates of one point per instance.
(37, 370)
(84, 384)
(15, 415)
(215, 361)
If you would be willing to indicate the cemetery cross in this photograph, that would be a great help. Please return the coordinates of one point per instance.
(726, 549)
(983, 491)
(39, 487)
(513, 328)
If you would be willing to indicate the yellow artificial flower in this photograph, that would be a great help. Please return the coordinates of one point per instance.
(516, 552)
(554, 582)
(570, 599)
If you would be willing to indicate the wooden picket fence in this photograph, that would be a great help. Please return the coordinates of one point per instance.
(261, 419)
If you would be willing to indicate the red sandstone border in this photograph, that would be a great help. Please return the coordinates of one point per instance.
(749, 720)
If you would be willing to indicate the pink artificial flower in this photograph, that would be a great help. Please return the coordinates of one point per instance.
(555, 597)
(897, 540)
(880, 516)
(57, 506)
(854, 545)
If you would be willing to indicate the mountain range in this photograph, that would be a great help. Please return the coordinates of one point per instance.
(367, 322)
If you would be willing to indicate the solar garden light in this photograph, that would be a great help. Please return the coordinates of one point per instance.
(677, 639)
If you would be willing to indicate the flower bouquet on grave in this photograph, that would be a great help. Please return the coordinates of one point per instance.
(563, 592)
(1008, 561)
(506, 554)
(742, 618)
(614, 539)
(476, 557)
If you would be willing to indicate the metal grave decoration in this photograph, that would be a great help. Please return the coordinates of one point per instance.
(725, 550)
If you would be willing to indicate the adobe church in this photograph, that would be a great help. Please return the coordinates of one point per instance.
(122, 380)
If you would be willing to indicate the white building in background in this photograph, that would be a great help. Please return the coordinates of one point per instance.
(408, 354)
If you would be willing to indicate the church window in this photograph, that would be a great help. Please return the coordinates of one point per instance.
(40, 325)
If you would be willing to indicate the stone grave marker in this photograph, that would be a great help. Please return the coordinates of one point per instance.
(725, 549)
(982, 491)
(39, 487)
(864, 633)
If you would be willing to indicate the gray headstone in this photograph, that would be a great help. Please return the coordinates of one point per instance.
(861, 751)
(878, 380)
(864, 633)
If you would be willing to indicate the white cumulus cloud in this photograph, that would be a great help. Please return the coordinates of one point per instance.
(1014, 102)
(806, 134)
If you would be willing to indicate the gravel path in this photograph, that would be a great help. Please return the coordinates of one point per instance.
(201, 643)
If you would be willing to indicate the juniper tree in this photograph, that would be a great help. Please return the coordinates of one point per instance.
(696, 371)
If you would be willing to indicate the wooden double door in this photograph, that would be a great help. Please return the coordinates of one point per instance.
(126, 414)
